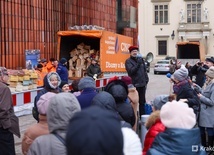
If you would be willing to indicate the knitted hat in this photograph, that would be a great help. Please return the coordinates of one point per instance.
(63, 60)
(181, 74)
(62, 84)
(177, 115)
(86, 82)
(99, 129)
(43, 102)
(131, 48)
(210, 72)
(39, 66)
(132, 144)
(159, 101)
(211, 59)
(127, 80)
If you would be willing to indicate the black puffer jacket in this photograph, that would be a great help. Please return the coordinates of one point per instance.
(199, 71)
(137, 71)
(119, 90)
(186, 92)
(94, 69)
(106, 101)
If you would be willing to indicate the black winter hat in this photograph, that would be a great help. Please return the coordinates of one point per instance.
(118, 89)
(94, 131)
(211, 59)
(63, 60)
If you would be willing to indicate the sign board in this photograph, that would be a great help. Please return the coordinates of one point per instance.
(32, 56)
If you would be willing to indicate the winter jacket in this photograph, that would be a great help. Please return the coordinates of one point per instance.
(206, 118)
(154, 126)
(63, 72)
(199, 71)
(86, 97)
(134, 100)
(8, 120)
(177, 142)
(33, 132)
(47, 88)
(137, 71)
(106, 101)
(119, 90)
(62, 108)
(186, 92)
(94, 69)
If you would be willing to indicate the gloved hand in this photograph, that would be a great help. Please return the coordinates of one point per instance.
(139, 60)
(95, 77)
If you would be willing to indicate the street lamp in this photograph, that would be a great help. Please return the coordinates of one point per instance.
(173, 35)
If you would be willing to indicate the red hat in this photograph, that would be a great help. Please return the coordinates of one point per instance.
(127, 80)
(131, 48)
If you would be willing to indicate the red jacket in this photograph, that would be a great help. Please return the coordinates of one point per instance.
(155, 126)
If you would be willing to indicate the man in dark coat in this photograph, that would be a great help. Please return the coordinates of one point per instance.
(136, 69)
(94, 70)
(9, 123)
(62, 70)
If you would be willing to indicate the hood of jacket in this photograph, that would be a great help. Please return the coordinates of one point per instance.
(152, 118)
(118, 89)
(61, 109)
(176, 141)
(47, 81)
(105, 100)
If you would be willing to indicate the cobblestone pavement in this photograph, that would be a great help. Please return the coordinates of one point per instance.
(158, 84)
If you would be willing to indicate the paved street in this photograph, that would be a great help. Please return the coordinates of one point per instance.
(158, 84)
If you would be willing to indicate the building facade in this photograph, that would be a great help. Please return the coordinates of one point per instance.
(178, 28)
(33, 24)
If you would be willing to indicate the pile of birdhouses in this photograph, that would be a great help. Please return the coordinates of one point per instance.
(80, 59)
(22, 80)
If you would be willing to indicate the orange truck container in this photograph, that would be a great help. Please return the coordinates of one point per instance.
(113, 47)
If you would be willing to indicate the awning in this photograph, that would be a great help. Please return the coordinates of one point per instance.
(186, 43)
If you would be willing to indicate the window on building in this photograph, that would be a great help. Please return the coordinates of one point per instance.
(162, 47)
(161, 14)
(193, 13)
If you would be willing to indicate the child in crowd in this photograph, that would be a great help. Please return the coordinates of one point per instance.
(153, 123)
(180, 137)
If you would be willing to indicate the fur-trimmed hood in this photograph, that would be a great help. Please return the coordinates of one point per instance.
(152, 118)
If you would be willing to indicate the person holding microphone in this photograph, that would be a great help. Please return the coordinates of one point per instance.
(136, 69)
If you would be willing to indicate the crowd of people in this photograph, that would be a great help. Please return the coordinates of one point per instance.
(88, 121)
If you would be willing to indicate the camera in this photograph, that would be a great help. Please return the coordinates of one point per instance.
(199, 63)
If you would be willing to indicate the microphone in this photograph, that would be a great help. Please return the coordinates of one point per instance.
(168, 75)
(139, 55)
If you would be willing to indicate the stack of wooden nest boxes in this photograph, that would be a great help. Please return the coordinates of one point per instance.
(22, 80)
(80, 59)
